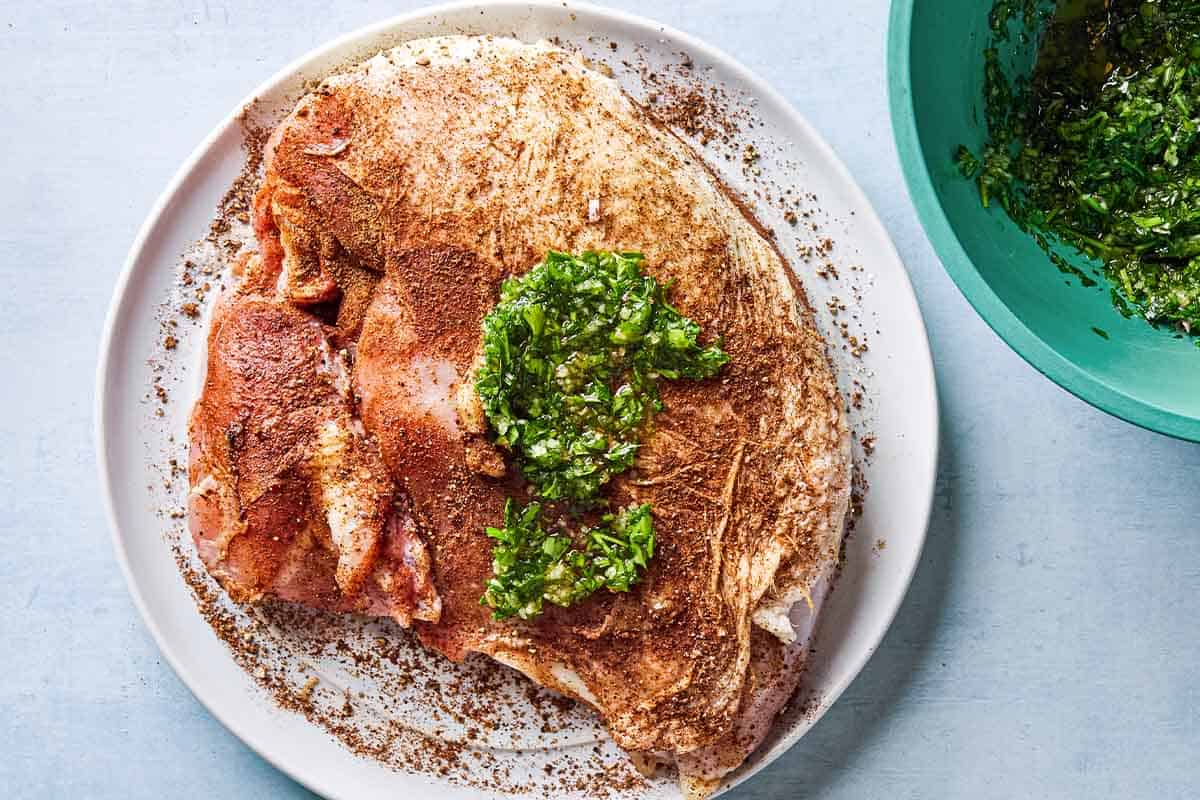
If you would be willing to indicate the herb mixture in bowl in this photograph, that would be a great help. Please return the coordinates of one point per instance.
(1099, 148)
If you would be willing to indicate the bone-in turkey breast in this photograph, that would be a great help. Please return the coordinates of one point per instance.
(410, 187)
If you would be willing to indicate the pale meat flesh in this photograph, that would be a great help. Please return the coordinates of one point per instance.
(449, 164)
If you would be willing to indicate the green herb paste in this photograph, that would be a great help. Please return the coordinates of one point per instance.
(1099, 148)
(573, 353)
(531, 565)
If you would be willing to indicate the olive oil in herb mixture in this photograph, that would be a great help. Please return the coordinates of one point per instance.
(1099, 148)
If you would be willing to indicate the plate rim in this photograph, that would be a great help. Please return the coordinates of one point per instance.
(312, 779)
(958, 264)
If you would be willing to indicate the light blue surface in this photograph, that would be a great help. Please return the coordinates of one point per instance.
(1050, 643)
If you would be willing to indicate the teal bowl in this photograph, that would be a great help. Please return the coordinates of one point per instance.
(1070, 333)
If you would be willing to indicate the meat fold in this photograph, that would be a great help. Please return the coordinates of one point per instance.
(289, 497)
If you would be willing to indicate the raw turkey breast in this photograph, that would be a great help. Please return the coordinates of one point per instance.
(398, 195)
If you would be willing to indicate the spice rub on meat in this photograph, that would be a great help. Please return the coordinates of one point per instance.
(401, 193)
(288, 497)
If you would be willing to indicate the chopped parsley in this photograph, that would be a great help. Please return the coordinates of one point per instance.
(573, 353)
(1100, 148)
(532, 566)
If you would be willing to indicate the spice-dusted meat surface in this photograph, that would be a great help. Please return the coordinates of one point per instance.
(288, 498)
(446, 165)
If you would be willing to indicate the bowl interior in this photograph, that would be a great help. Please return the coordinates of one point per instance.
(1070, 332)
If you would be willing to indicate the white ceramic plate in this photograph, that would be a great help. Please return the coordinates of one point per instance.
(897, 408)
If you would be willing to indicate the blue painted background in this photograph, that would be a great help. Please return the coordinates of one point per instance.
(1049, 646)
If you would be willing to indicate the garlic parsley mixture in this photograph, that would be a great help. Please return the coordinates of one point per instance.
(573, 354)
(1101, 148)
